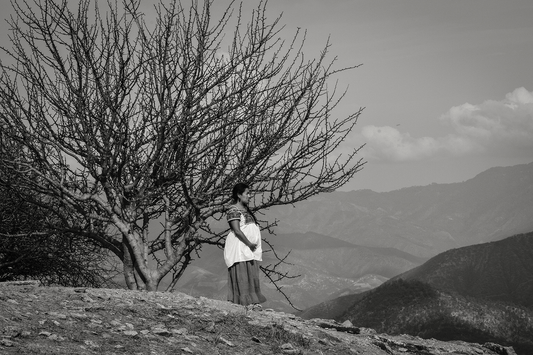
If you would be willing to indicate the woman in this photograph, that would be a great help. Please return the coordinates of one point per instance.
(242, 251)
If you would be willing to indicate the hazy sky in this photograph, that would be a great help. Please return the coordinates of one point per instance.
(447, 85)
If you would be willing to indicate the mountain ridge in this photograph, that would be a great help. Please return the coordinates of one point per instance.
(499, 270)
(421, 220)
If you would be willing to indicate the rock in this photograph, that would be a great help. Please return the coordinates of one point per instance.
(210, 327)
(11, 332)
(162, 332)
(499, 349)
(25, 334)
(347, 324)
(225, 341)
(88, 299)
(288, 348)
(115, 323)
(367, 331)
(21, 283)
(383, 346)
(79, 315)
(91, 344)
(181, 331)
(56, 337)
(6, 342)
(339, 327)
(130, 333)
(187, 350)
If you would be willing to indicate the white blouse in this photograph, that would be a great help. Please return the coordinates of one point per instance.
(236, 251)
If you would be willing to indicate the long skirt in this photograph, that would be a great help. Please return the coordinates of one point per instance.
(243, 283)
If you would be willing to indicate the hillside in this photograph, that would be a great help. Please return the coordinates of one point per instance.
(56, 320)
(476, 293)
(421, 220)
(416, 308)
(500, 271)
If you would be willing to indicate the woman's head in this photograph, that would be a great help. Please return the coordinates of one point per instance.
(241, 193)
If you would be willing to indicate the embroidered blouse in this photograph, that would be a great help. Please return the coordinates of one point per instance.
(235, 213)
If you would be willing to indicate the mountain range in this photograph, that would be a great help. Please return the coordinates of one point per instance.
(476, 293)
(343, 243)
(420, 220)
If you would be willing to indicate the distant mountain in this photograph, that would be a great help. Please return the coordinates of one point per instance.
(421, 220)
(501, 271)
(416, 308)
(477, 293)
(328, 267)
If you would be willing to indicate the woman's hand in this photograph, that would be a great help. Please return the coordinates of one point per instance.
(234, 224)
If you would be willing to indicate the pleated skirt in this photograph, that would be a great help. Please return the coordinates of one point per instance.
(243, 283)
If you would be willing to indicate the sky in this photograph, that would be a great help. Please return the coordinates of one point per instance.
(447, 85)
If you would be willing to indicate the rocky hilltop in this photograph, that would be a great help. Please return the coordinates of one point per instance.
(56, 320)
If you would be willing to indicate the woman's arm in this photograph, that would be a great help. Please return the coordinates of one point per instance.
(235, 226)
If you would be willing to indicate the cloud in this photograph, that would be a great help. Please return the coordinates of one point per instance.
(503, 128)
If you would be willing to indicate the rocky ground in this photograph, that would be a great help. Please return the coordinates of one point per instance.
(57, 320)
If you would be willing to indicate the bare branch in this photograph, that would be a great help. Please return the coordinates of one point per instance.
(133, 123)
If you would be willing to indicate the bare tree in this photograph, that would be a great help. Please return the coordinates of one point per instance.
(142, 126)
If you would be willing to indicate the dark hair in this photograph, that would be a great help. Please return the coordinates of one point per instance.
(239, 189)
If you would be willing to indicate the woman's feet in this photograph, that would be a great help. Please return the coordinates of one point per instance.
(254, 307)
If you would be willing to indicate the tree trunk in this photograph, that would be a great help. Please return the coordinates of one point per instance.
(152, 285)
(133, 281)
